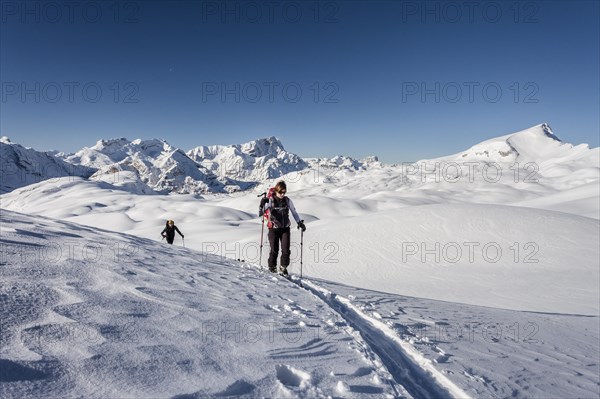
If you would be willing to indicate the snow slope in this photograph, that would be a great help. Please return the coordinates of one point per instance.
(397, 230)
(510, 224)
(90, 313)
(493, 255)
(490, 255)
(93, 313)
(490, 353)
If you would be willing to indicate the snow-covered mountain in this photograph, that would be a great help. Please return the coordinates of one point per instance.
(145, 166)
(531, 167)
(149, 166)
(20, 166)
(254, 161)
(155, 167)
(535, 144)
(344, 162)
(103, 153)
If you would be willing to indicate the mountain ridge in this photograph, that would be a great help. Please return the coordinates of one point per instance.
(153, 166)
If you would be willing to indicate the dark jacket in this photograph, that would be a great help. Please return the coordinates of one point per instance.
(279, 213)
(169, 232)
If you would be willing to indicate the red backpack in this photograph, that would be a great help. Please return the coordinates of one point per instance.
(267, 213)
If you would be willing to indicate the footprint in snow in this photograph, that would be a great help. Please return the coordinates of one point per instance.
(291, 376)
(443, 359)
(362, 371)
(238, 388)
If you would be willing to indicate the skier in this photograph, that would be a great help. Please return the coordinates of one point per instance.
(169, 231)
(278, 207)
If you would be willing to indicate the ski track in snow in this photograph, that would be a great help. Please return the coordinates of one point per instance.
(487, 352)
(412, 351)
(410, 370)
(175, 323)
(408, 367)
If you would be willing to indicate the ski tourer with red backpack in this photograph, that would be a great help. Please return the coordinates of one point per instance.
(275, 208)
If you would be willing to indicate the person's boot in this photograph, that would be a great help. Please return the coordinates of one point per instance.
(272, 269)
(283, 271)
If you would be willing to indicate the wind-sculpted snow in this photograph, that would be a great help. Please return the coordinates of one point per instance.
(91, 313)
(404, 226)
(490, 255)
(494, 255)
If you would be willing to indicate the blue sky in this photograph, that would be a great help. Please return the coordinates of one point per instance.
(403, 80)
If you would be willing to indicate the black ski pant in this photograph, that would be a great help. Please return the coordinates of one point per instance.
(276, 235)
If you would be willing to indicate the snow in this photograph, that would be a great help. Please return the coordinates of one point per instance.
(20, 166)
(155, 165)
(434, 278)
(91, 313)
(490, 352)
(254, 161)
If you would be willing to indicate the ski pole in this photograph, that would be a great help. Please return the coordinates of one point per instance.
(183, 239)
(301, 250)
(262, 233)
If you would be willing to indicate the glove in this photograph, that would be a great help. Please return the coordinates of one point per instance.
(182, 236)
(163, 235)
(301, 225)
(261, 208)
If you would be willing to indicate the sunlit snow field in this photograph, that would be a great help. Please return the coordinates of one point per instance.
(475, 274)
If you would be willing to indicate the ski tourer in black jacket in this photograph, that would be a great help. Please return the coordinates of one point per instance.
(280, 207)
(169, 232)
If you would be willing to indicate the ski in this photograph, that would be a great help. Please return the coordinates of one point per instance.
(292, 278)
